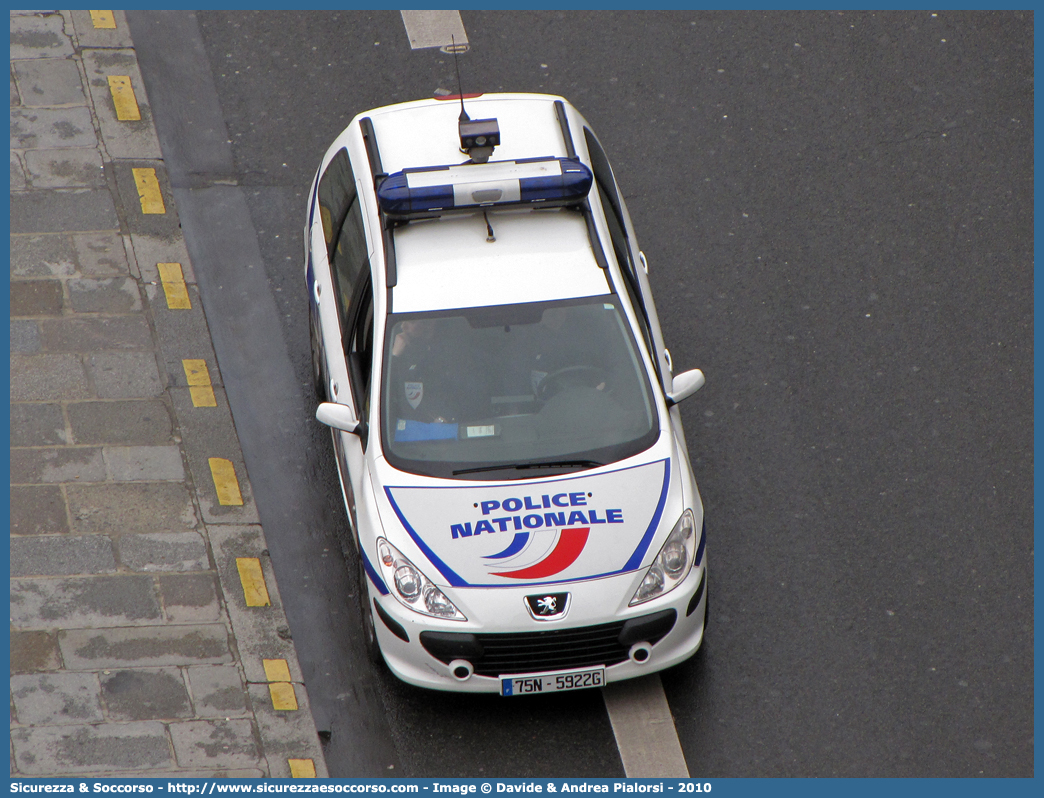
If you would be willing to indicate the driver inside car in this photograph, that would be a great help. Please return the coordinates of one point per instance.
(434, 381)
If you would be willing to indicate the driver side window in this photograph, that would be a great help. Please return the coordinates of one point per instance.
(360, 352)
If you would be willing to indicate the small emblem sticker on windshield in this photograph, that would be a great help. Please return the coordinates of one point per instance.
(414, 393)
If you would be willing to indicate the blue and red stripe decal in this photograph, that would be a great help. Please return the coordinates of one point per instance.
(570, 543)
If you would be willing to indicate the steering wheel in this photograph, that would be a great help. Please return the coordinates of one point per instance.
(549, 386)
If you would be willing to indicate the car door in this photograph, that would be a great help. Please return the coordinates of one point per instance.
(345, 301)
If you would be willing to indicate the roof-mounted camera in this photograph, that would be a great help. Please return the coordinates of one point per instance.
(478, 137)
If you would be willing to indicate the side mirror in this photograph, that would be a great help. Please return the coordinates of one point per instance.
(339, 417)
(685, 385)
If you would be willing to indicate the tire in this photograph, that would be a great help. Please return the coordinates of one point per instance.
(318, 384)
(706, 612)
(373, 648)
(699, 655)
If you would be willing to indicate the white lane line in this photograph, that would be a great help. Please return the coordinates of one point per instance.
(434, 29)
(644, 729)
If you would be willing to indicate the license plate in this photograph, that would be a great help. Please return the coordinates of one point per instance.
(537, 683)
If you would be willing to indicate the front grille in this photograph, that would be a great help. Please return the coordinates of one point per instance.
(532, 652)
(551, 650)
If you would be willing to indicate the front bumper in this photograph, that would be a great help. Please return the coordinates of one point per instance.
(633, 642)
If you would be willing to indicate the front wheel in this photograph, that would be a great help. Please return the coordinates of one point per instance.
(317, 363)
(373, 648)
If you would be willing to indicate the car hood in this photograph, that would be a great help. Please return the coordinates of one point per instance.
(511, 534)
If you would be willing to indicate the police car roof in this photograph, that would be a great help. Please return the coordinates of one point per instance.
(447, 262)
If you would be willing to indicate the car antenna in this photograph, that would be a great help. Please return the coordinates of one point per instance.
(478, 137)
(460, 87)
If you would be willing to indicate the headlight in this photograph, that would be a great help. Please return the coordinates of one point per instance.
(673, 562)
(411, 587)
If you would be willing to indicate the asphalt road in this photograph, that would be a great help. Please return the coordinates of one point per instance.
(837, 211)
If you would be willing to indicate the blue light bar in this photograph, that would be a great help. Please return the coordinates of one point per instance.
(547, 182)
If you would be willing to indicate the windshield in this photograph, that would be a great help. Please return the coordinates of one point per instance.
(513, 391)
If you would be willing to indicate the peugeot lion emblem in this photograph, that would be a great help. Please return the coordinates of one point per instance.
(545, 606)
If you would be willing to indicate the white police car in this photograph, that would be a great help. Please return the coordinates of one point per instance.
(503, 407)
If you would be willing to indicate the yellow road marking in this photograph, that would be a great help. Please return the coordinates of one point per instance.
(301, 768)
(103, 19)
(282, 692)
(224, 474)
(149, 191)
(283, 696)
(276, 670)
(173, 281)
(202, 396)
(123, 98)
(170, 272)
(253, 580)
(198, 376)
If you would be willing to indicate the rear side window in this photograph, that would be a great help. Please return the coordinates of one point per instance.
(336, 192)
(349, 259)
(342, 229)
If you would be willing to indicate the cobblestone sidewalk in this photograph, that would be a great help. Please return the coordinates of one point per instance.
(147, 634)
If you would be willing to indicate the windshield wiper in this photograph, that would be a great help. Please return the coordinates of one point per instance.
(539, 464)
